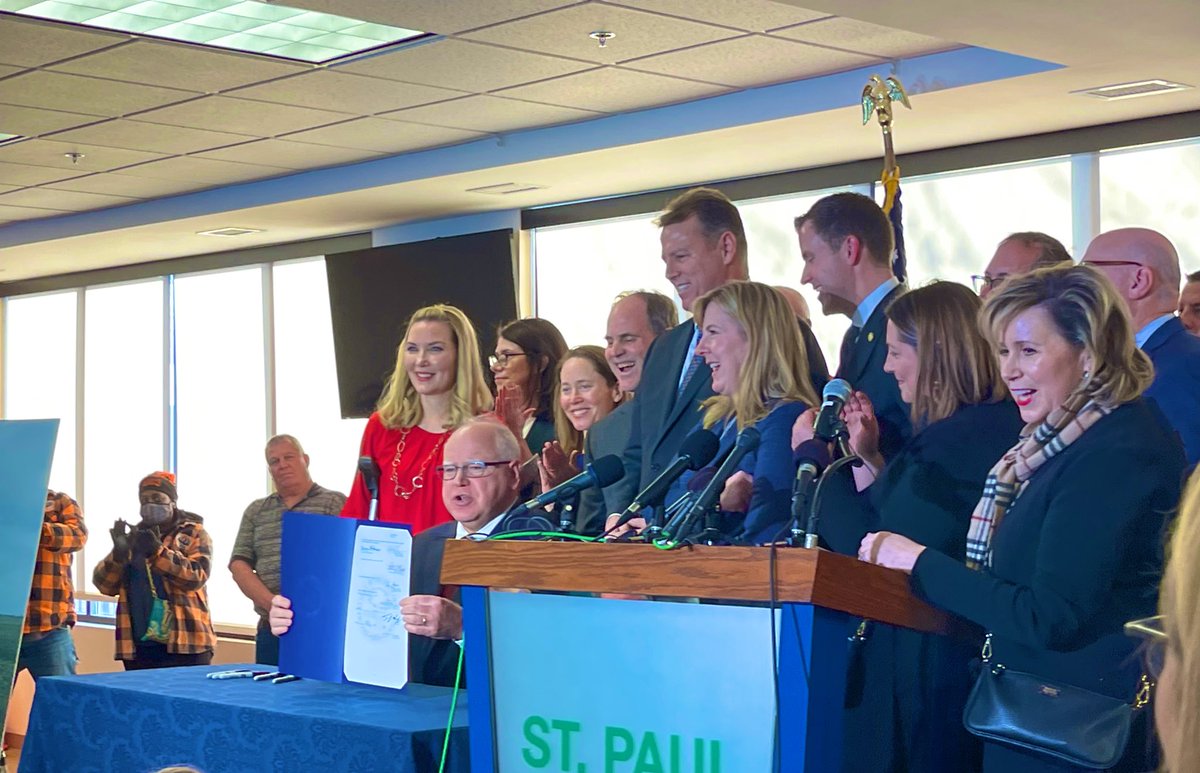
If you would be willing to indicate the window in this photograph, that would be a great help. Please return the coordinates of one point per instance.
(306, 391)
(123, 395)
(221, 414)
(40, 381)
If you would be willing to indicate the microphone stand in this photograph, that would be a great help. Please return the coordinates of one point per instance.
(841, 440)
(711, 534)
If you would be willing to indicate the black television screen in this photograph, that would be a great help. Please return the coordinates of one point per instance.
(373, 292)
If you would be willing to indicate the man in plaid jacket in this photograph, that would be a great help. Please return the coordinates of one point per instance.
(158, 570)
(46, 647)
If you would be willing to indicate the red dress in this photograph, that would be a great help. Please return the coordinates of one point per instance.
(410, 491)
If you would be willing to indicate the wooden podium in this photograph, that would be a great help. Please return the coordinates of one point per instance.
(561, 679)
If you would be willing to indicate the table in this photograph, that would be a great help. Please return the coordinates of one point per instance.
(138, 721)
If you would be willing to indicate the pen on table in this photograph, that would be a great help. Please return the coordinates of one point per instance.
(285, 678)
(240, 674)
(265, 675)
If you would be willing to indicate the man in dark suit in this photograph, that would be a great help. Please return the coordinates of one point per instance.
(703, 247)
(480, 474)
(1144, 267)
(846, 243)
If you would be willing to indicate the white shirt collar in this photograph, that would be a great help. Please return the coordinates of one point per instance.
(872, 301)
(460, 532)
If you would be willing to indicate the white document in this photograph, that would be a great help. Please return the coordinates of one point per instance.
(376, 642)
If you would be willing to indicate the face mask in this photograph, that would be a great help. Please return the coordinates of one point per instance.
(155, 514)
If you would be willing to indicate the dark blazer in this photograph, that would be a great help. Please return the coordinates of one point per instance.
(1076, 556)
(659, 422)
(865, 373)
(432, 661)
(818, 369)
(608, 436)
(1176, 388)
(909, 687)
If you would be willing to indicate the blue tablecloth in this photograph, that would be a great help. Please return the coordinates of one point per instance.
(139, 721)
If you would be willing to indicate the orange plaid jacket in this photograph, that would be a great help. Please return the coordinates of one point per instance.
(184, 562)
(52, 596)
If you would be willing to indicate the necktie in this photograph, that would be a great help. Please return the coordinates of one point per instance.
(847, 353)
(691, 371)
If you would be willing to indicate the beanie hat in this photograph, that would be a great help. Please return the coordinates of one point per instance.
(160, 481)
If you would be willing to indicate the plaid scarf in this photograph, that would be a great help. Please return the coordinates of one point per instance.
(1007, 479)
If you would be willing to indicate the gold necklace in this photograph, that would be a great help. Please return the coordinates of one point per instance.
(418, 480)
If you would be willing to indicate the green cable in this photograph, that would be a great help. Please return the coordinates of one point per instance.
(453, 705)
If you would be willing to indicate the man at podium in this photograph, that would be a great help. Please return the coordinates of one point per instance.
(480, 475)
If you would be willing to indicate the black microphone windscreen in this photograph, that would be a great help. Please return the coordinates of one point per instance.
(700, 447)
(813, 450)
(701, 479)
(838, 388)
(608, 469)
(747, 439)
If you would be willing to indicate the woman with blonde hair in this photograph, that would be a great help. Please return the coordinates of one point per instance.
(751, 342)
(436, 385)
(1172, 652)
(587, 392)
(1064, 544)
(910, 687)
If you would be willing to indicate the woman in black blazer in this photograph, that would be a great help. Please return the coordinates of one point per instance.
(1065, 545)
(906, 689)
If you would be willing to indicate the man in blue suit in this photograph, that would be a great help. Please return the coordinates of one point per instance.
(1144, 266)
(846, 244)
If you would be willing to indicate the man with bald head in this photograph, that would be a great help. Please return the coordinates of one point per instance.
(1144, 267)
(481, 476)
(1020, 253)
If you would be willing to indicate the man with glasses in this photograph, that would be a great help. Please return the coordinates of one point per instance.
(480, 474)
(1144, 267)
(1017, 254)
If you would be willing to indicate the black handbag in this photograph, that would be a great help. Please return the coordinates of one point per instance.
(1055, 720)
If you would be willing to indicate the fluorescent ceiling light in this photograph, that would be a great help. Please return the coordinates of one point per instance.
(240, 25)
(1133, 89)
(230, 232)
(505, 189)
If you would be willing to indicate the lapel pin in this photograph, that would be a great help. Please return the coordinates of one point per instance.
(870, 337)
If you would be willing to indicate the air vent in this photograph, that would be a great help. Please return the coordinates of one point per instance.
(1135, 89)
(505, 189)
(230, 232)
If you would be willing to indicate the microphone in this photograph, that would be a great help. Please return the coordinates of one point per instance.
(605, 471)
(370, 475)
(680, 508)
(698, 450)
(812, 457)
(829, 418)
(747, 441)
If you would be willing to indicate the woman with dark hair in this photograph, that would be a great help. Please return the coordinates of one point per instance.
(525, 368)
(907, 689)
(1064, 545)
(587, 392)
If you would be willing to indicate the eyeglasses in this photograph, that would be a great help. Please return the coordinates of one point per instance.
(472, 469)
(501, 360)
(1154, 642)
(981, 281)
(1098, 263)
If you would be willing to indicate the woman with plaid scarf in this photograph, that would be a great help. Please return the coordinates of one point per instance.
(1065, 545)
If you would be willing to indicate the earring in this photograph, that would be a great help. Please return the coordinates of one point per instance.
(1087, 374)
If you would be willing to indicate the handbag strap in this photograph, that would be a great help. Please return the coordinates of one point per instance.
(1141, 699)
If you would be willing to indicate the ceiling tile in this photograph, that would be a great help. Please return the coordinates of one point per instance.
(204, 169)
(486, 113)
(613, 89)
(75, 93)
(748, 15)
(7, 188)
(30, 44)
(755, 60)
(25, 213)
(179, 66)
(242, 116)
(153, 137)
(63, 200)
(384, 136)
(32, 121)
(6, 70)
(345, 91)
(870, 39)
(466, 66)
(53, 153)
(565, 33)
(24, 174)
(127, 185)
(292, 155)
(442, 18)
